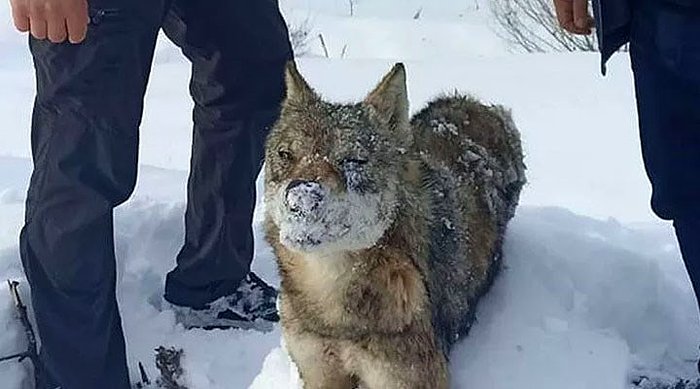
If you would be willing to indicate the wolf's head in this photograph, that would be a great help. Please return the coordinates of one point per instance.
(333, 170)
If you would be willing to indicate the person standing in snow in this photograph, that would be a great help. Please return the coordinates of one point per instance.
(92, 61)
(664, 38)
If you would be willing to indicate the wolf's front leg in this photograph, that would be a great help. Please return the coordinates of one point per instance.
(318, 362)
(386, 376)
(387, 369)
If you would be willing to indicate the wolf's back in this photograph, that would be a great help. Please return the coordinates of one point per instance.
(474, 173)
(474, 141)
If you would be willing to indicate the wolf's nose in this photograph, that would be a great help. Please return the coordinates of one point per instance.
(304, 197)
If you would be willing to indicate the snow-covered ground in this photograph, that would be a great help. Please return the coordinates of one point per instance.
(593, 288)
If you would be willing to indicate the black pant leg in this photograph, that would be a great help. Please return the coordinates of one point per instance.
(84, 143)
(238, 51)
(688, 232)
(665, 51)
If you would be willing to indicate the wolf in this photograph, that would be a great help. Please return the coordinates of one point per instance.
(387, 229)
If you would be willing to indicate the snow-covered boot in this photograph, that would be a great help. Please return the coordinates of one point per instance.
(663, 382)
(251, 306)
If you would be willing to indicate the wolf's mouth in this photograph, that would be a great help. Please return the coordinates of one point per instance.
(306, 241)
(308, 233)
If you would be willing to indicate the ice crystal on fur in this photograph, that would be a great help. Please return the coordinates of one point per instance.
(443, 127)
(305, 198)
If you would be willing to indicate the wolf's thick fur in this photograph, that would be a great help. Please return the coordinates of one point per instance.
(386, 230)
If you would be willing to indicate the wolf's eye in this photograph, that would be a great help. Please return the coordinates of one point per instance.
(357, 177)
(355, 161)
(285, 155)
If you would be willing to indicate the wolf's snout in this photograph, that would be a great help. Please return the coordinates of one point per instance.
(304, 197)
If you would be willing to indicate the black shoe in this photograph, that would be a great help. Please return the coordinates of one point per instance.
(251, 306)
(646, 382)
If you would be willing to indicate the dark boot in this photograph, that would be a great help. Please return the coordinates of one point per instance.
(252, 306)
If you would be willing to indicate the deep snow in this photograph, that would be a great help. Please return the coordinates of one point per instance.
(593, 288)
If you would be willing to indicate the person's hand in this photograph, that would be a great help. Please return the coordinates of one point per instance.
(573, 16)
(56, 20)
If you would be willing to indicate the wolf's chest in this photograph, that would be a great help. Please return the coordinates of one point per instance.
(324, 281)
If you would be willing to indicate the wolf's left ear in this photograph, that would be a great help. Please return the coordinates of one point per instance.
(298, 90)
(390, 98)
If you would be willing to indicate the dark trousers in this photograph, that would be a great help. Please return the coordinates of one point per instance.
(665, 50)
(85, 145)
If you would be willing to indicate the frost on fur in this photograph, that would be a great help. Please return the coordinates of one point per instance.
(340, 223)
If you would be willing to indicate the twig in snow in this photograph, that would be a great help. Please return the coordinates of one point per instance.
(323, 44)
(168, 362)
(31, 352)
(418, 13)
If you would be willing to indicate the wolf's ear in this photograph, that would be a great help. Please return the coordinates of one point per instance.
(298, 90)
(390, 98)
